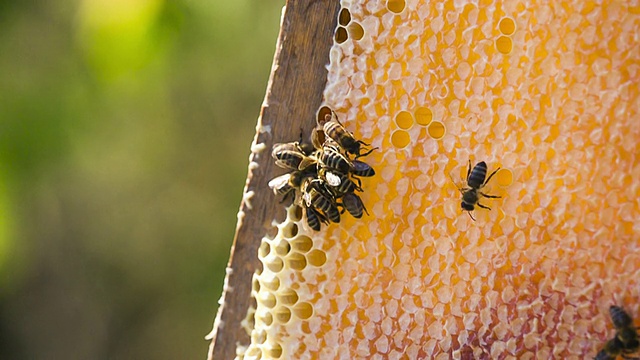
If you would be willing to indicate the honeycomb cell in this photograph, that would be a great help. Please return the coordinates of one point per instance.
(404, 120)
(283, 247)
(424, 116)
(400, 138)
(396, 6)
(296, 261)
(322, 113)
(270, 282)
(317, 257)
(341, 35)
(258, 336)
(255, 284)
(344, 17)
(264, 249)
(290, 230)
(295, 213)
(436, 130)
(267, 299)
(504, 44)
(303, 310)
(507, 26)
(301, 243)
(265, 317)
(504, 177)
(356, 32)
(288, 297)
(254, 353)
(282, 314)
(272, 350)
(274, 263)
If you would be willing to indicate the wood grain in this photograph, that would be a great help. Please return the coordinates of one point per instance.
(294, 94)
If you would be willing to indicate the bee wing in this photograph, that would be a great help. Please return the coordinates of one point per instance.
(307, 161)
(363, 168)
(278, 182)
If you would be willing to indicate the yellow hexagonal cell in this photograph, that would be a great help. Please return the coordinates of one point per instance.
(356, 31)
(283, 247)
(301, 243)
(424, 116)
(507, 26)
(288, 297)
(504, 177)
(436, 130)
(296, 261)
(270, 282)
(344, 17)
(303, 310)
(396, 6)
(404, 120)
(272, 350)
(282, 314)
(341, 35)
(504, 44)
(317, 257)
(400, 138)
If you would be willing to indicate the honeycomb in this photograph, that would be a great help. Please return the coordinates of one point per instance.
(548, 92)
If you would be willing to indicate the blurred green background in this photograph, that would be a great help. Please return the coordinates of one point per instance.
(125, 128)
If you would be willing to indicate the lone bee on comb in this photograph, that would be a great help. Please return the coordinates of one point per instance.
(336, 131)
(626, 339)
(475, 181)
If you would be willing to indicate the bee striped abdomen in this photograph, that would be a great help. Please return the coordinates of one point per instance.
(619, 317)
(314, 218)
(477, 175)
(332, 159)
(317, 196)
(353, 204)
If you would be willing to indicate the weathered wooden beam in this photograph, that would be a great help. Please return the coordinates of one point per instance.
(294, 94)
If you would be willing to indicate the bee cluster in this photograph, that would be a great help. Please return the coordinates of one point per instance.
(325, 174)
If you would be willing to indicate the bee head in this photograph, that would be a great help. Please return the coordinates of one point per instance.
(466, 206)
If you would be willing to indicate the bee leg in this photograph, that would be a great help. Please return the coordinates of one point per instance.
(490, 176)
(359, 182)
(490, 196)
(365, 154)
(469, 171)
(483, 206)
(365, 209)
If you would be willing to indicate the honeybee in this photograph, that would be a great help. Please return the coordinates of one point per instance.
(353, 204)
(339, 183)
(331, 157)
(626, 339)
(334, 130)
(288, 155)
(476, 181)
(316, 194)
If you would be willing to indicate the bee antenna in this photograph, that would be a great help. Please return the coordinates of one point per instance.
(456, 184)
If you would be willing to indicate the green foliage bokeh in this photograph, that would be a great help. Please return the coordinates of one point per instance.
(125, 128)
